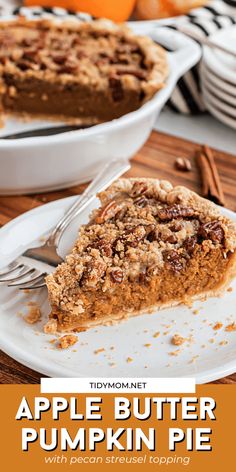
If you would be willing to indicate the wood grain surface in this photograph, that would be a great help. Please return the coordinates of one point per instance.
(155, 159)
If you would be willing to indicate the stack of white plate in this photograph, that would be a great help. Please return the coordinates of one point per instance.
(218, 77)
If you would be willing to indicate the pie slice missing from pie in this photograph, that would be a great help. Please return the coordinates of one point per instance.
(149, 245)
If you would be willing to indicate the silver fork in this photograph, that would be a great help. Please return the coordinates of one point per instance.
(28, 271)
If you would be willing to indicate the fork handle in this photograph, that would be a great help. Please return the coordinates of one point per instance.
(109, 173)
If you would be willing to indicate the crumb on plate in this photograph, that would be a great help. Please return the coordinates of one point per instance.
(217, 326)
(97, 351)
(175, 353)
(129, 359)
(223, 343)
(155, 335)
(231, 327)
(50, 327)
(67, 340)
(195, 312)
(34, 313)
(194, 358)
(177, 340)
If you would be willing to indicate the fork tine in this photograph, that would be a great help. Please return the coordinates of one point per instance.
(22, 275)
(28, 281)
(33, 287)
(36, 284)
(11, 269)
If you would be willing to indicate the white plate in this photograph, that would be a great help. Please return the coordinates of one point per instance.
(218, 103)
(221, 96)
(226, 119)
(217, 81)
(27, 343)
(40, 164)
(222, 64)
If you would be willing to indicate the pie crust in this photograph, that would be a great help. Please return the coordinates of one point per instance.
(148, 246)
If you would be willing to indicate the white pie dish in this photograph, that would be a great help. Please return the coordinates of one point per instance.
(39, 164)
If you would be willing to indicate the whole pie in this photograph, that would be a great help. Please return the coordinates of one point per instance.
(88, 72)
(149, 245)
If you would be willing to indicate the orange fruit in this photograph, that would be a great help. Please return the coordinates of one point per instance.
(152, 9)
(116, 10)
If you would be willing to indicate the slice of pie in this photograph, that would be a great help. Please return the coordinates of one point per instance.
(88, 72)
(149, 245)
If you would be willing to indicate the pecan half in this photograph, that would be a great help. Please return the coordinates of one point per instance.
(175, 211)
(173, 260)
(176, 226)
(117, 275)
(211, 230)
(189, 244)
(183, 164)
(103, 246)
(108, 211)
(130, 238)
(143, 277)
(139, 188)
(171, 239)
(123, 69)
(141, 201)
(152, 236)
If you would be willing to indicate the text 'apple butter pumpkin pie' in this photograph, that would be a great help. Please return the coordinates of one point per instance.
(149, 245)
(88, 72)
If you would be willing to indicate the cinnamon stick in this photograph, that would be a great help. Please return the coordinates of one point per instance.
(211, 185)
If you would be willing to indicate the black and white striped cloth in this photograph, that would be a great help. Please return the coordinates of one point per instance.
(187, 97)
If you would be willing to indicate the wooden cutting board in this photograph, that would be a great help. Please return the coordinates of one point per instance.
(155, 159)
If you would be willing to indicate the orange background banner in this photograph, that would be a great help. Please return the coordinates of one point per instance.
(222, 438)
